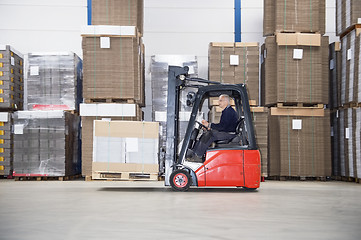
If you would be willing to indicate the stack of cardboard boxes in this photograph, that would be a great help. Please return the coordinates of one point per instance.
(11, 99)
(113, 86)
(46, 134)
(238, 63)
(294, 82)
(345, 67)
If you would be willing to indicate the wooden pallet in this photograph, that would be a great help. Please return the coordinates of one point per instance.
(351, 28)
(109, 100)
(299, 105)
(124, 176)
(298, 178)
(46, 178)
(351, 179)
(351, 105)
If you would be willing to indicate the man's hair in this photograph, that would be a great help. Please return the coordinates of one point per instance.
(225, 96)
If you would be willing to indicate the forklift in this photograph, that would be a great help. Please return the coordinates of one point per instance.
(227, 163)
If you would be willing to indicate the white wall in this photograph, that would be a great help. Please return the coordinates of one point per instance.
(181, 27)
(42, 25)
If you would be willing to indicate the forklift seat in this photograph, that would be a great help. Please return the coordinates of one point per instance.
(235, 140)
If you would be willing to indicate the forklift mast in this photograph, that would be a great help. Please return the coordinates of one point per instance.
(177, 78)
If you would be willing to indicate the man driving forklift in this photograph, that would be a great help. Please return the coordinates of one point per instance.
(223, 130)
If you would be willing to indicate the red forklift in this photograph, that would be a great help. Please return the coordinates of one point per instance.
(230, 163)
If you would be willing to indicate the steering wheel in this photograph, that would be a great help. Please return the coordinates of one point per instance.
(201, 125)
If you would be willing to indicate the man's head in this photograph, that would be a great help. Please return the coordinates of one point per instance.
(223, 101)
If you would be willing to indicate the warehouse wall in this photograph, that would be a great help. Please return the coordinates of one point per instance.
(171, 27)
(42, 25)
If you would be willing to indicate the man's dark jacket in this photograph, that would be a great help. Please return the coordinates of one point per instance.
(228, 122)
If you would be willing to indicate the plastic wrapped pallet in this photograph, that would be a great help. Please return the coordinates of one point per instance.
(348, 13)
(125, 148)
(53, 81)
(113, 63)
(293, 16)
(299, 142)
(6, 144)
(335, 75)
(11, 79)
(159, 80)
(351, 68)
(235, 63)
(295, 69)
(118, 12)
(45, 143)
(91, 112)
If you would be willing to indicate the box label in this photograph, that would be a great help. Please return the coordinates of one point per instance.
(297, 53)
(19, 129)
(296, 124)
(104, 42)
(34, 70)
(12, 61)
(347, 133)
(234, 60)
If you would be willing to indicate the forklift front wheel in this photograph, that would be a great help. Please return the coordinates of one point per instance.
(180, 180)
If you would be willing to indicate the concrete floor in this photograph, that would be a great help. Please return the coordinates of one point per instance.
(146, 210)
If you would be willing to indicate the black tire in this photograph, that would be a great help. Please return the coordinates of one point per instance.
(180, 180)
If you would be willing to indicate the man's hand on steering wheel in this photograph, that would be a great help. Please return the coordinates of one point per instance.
(204, 124)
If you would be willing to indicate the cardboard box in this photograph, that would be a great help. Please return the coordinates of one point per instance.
(118, 12)
(89, 115)
(299, 145)
(235, 63)
(293, 16)
(350, 67)
(114, 69)
(116, 144)
(349, 120)
(294, 74)
(348, 13)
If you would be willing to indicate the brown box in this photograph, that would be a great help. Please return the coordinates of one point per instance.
(299, 145)
(348, 13)
(87, 138)
(349, 142)
(235, 63)
(116, 72)
(350, 67)
(293, 16)
(260, 121)
(118, 12)
(294, 73)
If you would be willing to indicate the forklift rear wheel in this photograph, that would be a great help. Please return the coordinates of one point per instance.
(180, 180)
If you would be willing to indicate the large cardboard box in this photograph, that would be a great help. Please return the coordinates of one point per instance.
(348, 13)
(349, 142)
(235, 63)
(46, 143)
(118, 12)
(11, 79)
(113, 63)
(91, 112)
(293, 16)
(295, 69)
(125, 146)
(350, 68)
(299, 142)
